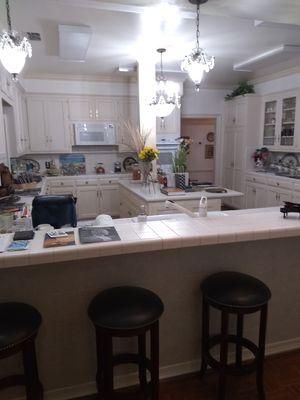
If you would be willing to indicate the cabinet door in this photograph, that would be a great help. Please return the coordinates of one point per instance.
(106, 110)
(81, 110)
(57, 127)
(37, 126)
(87, 201)
(288, 117)
(62, 190)
(170, 124)
(276, 197)
(110, 200)
(3, 155)
(270, 121)
(250, 196)
(261, 197)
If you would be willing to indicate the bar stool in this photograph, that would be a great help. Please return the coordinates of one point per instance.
(239, 294)
(19, 324)
(126, 311)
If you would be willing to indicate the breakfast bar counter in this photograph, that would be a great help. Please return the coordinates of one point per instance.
(170, 255)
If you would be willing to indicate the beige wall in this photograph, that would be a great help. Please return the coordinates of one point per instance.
(62, 292)
(199, 167)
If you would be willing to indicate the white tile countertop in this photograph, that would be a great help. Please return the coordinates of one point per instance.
(167, 232)
(149, 194)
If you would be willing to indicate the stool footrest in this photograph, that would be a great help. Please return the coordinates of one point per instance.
(232, 369)
(128, 358)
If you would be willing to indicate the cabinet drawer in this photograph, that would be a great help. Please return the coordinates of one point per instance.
(61, 183)
(280, 183)
(256, 179)
(84, 182)
(108, 181)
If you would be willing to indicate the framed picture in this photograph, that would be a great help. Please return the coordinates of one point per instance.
(209, 151)
(210, 136)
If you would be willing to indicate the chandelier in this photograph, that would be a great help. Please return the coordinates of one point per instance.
(197, 62)
(167, 95)
(13, 48)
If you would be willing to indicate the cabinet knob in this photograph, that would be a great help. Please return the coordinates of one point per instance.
(277, 183)
(86, 182)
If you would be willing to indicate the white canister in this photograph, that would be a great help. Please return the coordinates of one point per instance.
(203, 207)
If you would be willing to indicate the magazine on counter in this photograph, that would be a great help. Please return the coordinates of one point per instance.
(96, 234)
(67, 240)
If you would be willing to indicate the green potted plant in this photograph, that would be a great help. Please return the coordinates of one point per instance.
(242, 89)
(180, 162)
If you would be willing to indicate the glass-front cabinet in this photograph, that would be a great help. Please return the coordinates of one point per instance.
(281, 122)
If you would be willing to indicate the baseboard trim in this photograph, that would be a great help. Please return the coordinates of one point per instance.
(169, 371)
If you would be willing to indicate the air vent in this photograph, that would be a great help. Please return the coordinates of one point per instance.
(34, 36)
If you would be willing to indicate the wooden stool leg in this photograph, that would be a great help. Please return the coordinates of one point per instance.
(107, 354)
(239, 334)
(34, 388)
(205, 335)
(142, 364)
(223, 355)
(99, 374)
(154, 334)
(261, 352)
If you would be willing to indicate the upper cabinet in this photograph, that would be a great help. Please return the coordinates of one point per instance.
(93, 109)
(281, 121)
(48, 125)
(169, 124)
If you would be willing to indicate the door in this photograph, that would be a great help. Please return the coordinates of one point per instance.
(37, 126)
(57, 126)
(81, 110)
(88, 205)
(110, 200)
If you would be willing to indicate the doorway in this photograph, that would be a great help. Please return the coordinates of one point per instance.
(201, 158)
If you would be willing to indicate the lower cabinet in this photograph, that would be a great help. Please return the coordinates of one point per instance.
(92, 198)
(88, 202)
(276, 197)
(256, 196)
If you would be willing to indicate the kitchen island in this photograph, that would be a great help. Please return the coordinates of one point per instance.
(133, 195)
(170, 255)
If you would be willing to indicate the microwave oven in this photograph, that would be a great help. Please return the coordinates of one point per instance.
(94, 134)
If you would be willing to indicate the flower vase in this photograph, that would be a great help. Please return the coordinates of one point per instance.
(146, 170)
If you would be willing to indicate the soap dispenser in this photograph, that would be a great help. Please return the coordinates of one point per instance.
(203, 207)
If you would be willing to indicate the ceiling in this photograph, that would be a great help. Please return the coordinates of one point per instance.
(119, 37)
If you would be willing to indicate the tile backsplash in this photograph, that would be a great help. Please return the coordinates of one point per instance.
(91, 159)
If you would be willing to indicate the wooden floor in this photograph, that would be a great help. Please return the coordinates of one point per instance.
(282, 382)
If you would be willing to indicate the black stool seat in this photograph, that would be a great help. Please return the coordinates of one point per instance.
(234, 289)
(18, 321)
(125, 307)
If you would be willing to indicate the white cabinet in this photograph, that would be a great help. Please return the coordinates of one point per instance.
(240, 138)
(3, 155)
(169, 124)
(281, 121)
(6, 84)
(19, 143)
(47, 125)
(110, 199)
(256, 195)
(277, 196)
(87, 201)
(93, 109)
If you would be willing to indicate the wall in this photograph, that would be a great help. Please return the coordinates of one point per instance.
(279, 84)
(206, 102)
(199, 167)
(81, 86)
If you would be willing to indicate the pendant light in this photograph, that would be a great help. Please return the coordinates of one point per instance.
(197, 62)
(13, 48)
(167, 95)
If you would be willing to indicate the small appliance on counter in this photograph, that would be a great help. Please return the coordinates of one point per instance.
(100, 168)
(117, 167)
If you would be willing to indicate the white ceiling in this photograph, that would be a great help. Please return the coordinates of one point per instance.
(227, 31)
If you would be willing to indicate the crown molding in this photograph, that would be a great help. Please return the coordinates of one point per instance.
(81, 78)
(276, 75)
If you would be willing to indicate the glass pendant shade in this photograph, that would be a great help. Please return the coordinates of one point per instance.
(13, 52)
(197, 62)
(14, 49)
(167, 95)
